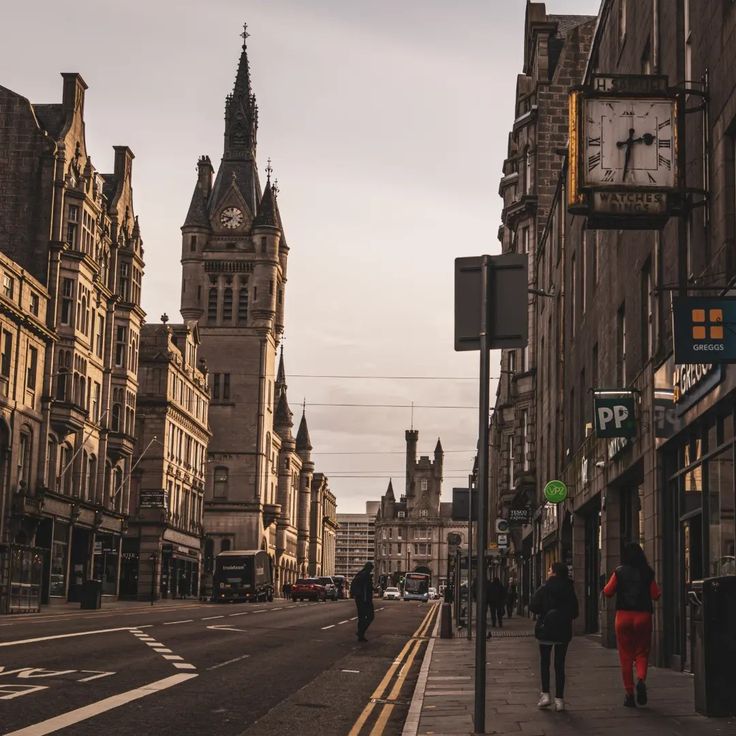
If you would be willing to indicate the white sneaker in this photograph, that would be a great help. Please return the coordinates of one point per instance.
(559, 704)
(545, 701)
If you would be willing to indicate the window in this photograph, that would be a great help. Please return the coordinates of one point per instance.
(525, 240)
(225, 386)
(525, 438)
(511, 461)
(621, 346)
(96, 402)
(133, 352)
(72, 224)
(7, 354)
(31, 368)
(24, 459)
(243, 305)
(212, 304)
(35, 303)
(424, 484)
(120, 345)
(424, 513)
(401, 514)
(125, 281)
(398, 548)
(216, 386)
(136, 293)
(193, 243)
(100, 337)
(221, 481)
(622, 21)
(8, 286)
(67, 301)
(527, 171)
(227, 305)
(647, 312)
(688, 32)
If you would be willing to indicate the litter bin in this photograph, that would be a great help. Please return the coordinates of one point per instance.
(91, 594)
(713, 621)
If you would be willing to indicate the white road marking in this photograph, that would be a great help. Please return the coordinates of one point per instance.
(352, 672)
(162, 650)
(184, 666)
(354, 618)
(346, 621)
(77, 715)
(184, 621)
(262, 610)
(173, 657)
(276, 609)
(210, 618)
(10, 692)
(229, 661)
(222, 627)
(96, 676)
(153, 643)
(242, 613)
(331, 626)
(62, 636)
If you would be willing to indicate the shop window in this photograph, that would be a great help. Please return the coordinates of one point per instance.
(57, 578)
(721, 502)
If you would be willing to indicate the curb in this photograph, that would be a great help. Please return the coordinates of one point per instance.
(411, 725)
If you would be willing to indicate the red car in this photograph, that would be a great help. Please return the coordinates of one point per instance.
(309, 589)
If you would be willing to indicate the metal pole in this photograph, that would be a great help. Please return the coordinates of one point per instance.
(153, 577)
(470, 555)
(480, 576)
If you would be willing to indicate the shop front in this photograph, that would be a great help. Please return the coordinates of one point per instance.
(699, 494)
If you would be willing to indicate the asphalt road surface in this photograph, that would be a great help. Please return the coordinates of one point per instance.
(269, 669)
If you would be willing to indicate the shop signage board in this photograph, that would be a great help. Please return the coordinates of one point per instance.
(502, 540)
(624, 133)
(692, 381)
(614, 413)
(704, 329)
(158, 499)
(555, 491)
(519, 517)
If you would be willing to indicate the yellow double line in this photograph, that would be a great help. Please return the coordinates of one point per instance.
(402, 664)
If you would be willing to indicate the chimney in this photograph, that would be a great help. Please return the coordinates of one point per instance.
(204, 179)
(73, 95)
(123, 163)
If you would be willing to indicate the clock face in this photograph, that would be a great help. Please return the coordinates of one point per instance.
(629, 142)
(231, 218)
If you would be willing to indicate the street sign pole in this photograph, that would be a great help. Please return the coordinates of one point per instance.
(479, 719)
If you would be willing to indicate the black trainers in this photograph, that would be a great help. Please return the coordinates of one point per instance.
(641, 692)
(629, 701)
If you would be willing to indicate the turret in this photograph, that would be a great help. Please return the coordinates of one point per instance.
(266, 278)
(412, 437)
(439, 456)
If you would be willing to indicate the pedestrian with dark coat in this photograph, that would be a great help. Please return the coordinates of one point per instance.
(496, 597)
(556, 605)
(511, 598)
(361, 588)
(635, 588)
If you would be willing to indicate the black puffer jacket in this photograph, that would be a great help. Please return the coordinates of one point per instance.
(556, 605)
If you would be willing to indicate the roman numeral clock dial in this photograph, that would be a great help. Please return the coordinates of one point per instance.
(628, 143)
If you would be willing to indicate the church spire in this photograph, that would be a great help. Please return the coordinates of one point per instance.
(241, 111)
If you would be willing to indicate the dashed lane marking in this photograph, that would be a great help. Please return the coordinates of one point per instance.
(346, 621)
(184, 666)
(173, 657)
(354, 618)
(183, 621)
(242, 613)
(162, 650)
(212, 618)
(36, 639)
(229, 661)
(78, 715)
(166, 653)
(331, 626)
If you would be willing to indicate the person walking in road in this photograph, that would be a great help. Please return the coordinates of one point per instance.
(635, 588)
(496, 600)
(556, 605)
(361, 588)
(511, 597)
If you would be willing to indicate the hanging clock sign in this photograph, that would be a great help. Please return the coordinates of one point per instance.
(623, 151)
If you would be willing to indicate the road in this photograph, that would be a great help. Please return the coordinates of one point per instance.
(239, 669)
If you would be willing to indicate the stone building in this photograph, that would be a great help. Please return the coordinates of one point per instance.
(329, 533)
(670, 487)
(162, 550)
(411, 534)
(75, 230)
(234, 257)
(355, 541)
(555, 52)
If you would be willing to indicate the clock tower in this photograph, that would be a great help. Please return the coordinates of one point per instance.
(234, 257)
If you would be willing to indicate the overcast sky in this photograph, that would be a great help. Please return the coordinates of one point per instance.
(387, 124)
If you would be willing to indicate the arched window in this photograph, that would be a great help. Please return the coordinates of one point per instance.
(116, 417)
(221, 480)
(117, 491)
(85, 476)
(212, 305)
(91, 482)
(227, 305)
(65, 470)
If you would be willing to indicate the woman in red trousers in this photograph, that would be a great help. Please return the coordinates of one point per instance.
(634, 586)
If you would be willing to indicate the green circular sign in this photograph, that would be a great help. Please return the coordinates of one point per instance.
(555, 491)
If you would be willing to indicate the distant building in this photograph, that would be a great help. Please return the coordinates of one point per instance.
(411, 534)
(329, 527)
(355, 540)
(167, 495)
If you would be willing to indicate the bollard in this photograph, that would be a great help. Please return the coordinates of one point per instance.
(446, 621)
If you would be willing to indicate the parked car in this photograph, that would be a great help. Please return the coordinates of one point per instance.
(308, 589)
(331, 590)
(432, 593)
(342, 585)
(392, 594)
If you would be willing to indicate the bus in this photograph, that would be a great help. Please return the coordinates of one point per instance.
(416, 586)
(242, 575)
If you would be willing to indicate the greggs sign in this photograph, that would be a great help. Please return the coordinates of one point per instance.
(704, 330)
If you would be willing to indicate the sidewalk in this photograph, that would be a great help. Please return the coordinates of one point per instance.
(443, 700)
